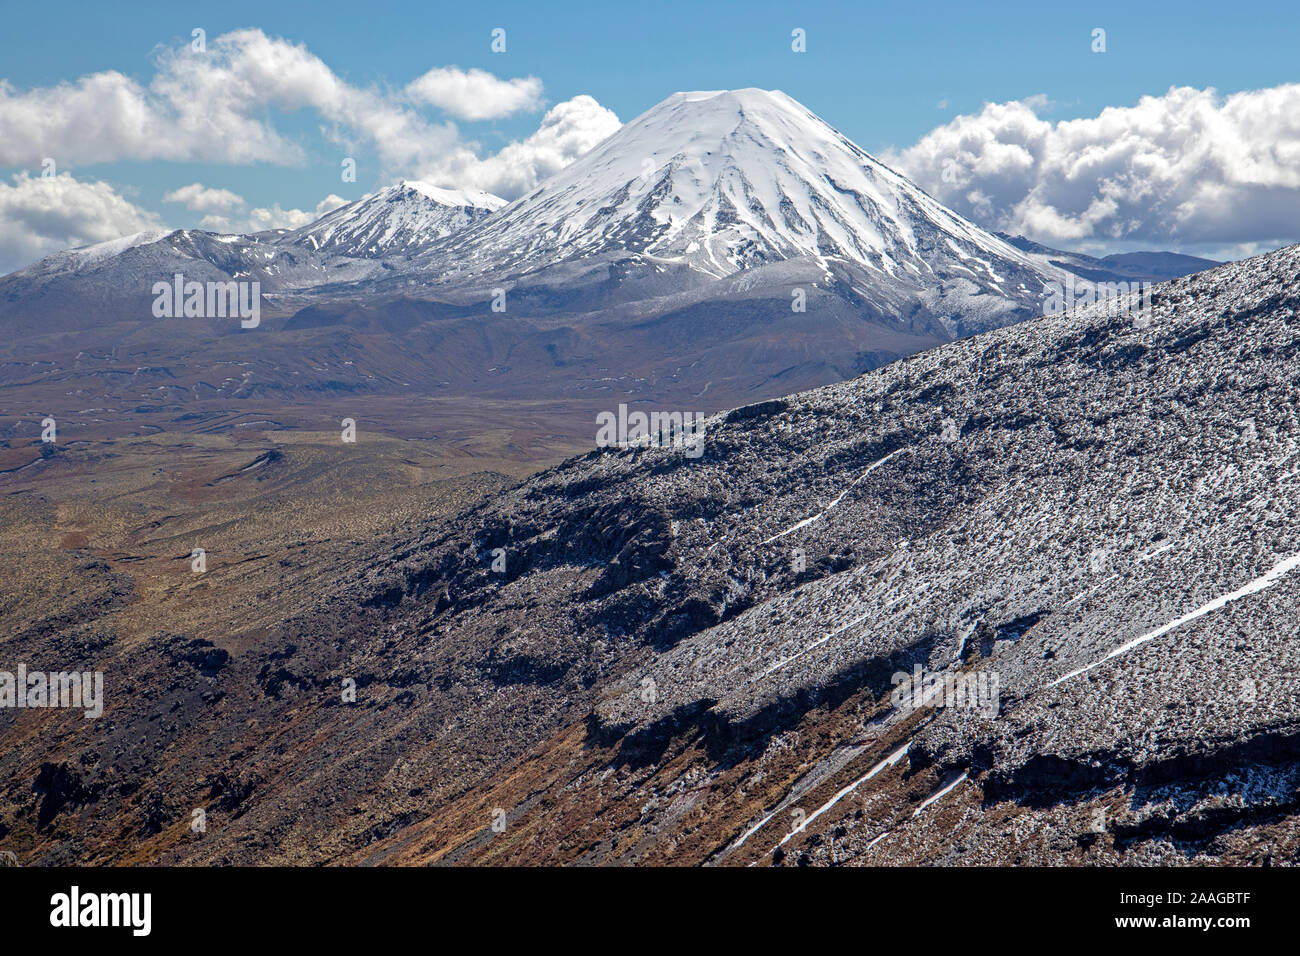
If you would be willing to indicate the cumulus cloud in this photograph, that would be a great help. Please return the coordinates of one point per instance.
(40, 215)
(568, 130)
(476, 94)
(271, 217)
(218, 105)
(200, 198)
(329, 204)
(209, 105)
(1188, 168)
(108, 116)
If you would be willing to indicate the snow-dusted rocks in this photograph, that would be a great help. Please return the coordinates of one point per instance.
(1101, 514)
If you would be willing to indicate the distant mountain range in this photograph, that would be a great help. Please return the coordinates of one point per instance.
(720, 248)
(1121, 267)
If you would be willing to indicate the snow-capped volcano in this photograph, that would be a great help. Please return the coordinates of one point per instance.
(734, 223)
(397, 220)
(725, 181)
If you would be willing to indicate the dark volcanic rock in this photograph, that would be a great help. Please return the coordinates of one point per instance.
(643, 656)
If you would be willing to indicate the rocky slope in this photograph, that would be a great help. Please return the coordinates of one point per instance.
(641, 656)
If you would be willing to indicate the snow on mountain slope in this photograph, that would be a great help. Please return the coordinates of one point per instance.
(699, 188)
(396, 220)
(83, 259)
(108, 281)
(341, 248)
(1090, 520)
(83, 256)
(729, 180)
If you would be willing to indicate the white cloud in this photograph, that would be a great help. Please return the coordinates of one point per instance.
(200, 198)
(40, 215)
(244, 73)
(476, 94)
(274, 217)
(108, 116)
(568, 130)
(1188, 168)
(329, 204)
(271, 217)
(218, 106)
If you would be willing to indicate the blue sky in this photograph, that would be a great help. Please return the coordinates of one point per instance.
(884, 74)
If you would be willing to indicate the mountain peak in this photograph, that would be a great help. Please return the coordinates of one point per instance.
(461, 198)
(719, 112)
(396, 220)
(726, 180)
(748, 96)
